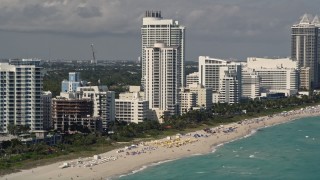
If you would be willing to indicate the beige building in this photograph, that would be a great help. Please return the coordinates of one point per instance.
(192, 78)
(188, 100)
(250, 84)
(305, 78)
(131, 107)
(204, 95)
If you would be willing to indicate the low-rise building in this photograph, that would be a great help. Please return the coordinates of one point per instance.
(187, 99)
(275, 74)
(131, 107)
(192, 78)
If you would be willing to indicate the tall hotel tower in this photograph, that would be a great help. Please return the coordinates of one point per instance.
(21, 94)
(161, 88)
(154, 29)
(305, 48)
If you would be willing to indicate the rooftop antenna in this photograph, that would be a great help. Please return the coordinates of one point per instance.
(94, 61)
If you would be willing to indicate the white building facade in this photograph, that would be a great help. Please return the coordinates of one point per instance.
(20, 94)
(209, 71)
(161, 87)
(275, 74)
(250, 84)
(155, 28)
(221, 76)
(229, 84)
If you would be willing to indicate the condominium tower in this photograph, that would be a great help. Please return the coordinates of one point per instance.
(20, 94)
(161, 87)
(155, 28)
(305, 48)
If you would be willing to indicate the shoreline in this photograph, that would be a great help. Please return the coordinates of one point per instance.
(133, 159)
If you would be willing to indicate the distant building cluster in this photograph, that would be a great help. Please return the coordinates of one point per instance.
(165, 88)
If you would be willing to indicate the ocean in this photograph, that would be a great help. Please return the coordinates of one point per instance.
(285, 151)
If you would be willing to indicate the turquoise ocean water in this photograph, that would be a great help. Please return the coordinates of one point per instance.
(286, 151)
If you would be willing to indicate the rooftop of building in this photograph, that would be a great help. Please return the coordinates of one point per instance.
(308, 20)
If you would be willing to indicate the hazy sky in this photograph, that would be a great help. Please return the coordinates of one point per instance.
(64, 29)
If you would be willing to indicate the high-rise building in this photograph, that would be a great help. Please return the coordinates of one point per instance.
(305, 47)
(155, 28)
(161, 87)
(20, 94)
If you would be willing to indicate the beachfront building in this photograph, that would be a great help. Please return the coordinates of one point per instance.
(103, 102)
(192, 78)
(46, 101)
(250, 84)
(161, 85)
(131, 106)
(68, 114)
(220, 75)
(20, 94)
(277, 75)
(209, 71)
(155, 28)
(203, 95)
(229, 85)
(305, 78)
(187, 100)
(305, 48)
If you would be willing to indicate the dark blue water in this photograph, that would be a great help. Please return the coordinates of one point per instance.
(286, 151)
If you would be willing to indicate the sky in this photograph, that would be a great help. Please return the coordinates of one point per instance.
(227, 29)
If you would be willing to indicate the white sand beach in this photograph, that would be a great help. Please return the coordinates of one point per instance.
(126, 160)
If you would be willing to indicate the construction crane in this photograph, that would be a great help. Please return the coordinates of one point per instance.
(93, 61)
